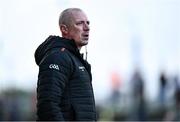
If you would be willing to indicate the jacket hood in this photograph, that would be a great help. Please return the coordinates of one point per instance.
(54, 42)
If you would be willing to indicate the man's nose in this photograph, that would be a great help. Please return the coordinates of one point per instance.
(86, 27)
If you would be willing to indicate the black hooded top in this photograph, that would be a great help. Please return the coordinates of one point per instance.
(64, 89)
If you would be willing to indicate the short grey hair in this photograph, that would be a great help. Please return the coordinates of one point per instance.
(65, 17)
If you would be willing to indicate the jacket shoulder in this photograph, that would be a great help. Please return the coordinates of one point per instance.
(59, 55)
(57, 60)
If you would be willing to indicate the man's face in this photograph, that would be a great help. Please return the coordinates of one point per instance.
(79, 28)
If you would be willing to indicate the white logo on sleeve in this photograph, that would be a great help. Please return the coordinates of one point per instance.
(82, 68)
(54, 66)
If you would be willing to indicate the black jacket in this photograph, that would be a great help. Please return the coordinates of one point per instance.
(64, 89)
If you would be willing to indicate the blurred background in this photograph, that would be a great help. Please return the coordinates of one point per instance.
(134, 50)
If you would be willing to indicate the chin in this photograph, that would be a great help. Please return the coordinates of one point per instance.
(84, 43)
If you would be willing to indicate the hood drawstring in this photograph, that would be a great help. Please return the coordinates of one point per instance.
(86, 52)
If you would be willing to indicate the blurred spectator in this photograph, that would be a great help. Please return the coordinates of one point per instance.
(139, 105)
(14, 109)
(177, 98)
(173, 114)
(163, 84)
(138, 84)
(115, 86)
(1, 108)
(16, 105)
(115, 96)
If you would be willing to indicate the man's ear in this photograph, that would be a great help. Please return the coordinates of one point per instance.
(64, 29)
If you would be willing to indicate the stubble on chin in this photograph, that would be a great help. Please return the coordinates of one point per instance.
(84, 42)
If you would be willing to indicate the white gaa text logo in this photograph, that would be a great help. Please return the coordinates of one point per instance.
(54, 66)
(82, 68)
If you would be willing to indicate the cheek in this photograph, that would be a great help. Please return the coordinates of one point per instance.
(77, 33)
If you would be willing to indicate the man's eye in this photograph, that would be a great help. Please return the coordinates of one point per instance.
(88, 22)
(79, 23)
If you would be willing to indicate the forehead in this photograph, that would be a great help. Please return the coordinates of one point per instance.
(79, 16)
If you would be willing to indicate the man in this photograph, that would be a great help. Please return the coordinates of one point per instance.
(64, 89)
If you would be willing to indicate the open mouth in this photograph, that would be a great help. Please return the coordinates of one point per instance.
(86, 35)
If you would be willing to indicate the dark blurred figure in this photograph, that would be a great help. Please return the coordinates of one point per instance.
(1, 108)
(163, 84)
(138, 84)
(173, 114)
(115, 86)
(115, 97)
(139, 112)
(177, 98)
(14, 110)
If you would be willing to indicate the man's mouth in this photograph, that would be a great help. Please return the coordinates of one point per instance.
(86, 35)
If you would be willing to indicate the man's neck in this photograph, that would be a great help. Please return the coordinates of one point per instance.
(67, 37)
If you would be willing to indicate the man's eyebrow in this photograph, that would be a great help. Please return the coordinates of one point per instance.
(83, 21)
